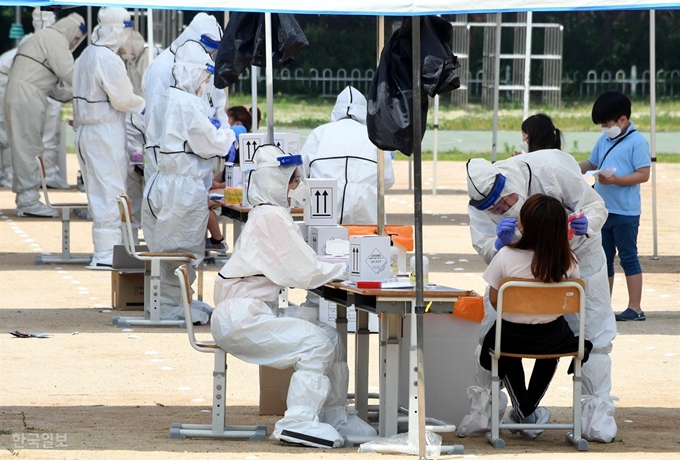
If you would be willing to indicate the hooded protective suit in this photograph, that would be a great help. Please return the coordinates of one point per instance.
(102, 96)
(269, 255)
(175, 205)
(136, 58)
(43, 67)
(556, 173)
(158, 76)
(41, 20)
(341, 150)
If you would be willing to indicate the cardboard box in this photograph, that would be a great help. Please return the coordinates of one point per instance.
(247, 144)
(304, 229)
(289, 143)
(274, 389)
(328, 313)
(319, 235)
(369, 258)
(127, 290)
(232, 176)
(322, 206)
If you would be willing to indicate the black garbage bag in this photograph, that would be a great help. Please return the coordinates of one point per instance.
(243, 44)
(390, 96)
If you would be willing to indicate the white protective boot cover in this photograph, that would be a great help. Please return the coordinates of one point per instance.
(597, 406)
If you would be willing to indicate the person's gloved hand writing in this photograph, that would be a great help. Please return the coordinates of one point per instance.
(505, 231)
(579, 224)
(216, 122)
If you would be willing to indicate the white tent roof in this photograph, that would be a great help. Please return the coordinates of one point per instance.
(384, 7)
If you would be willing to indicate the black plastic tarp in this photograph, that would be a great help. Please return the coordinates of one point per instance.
(243, 44)
(390, 97)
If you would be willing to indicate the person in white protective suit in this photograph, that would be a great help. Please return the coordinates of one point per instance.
(271, 254)
(341, 150)
(157, 78)
(42, 68)
(175, 205)
(497, 192)
(136, 57)
(41, 20)
(102, 96)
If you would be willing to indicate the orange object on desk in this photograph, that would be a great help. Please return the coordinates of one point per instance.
(470, 307)
(400, 234)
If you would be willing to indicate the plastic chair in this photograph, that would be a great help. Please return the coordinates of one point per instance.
(517, 295)
(65, 209)
(218, 428)
(152, 274)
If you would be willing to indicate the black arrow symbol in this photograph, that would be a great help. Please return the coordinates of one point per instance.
(318, 199)
(325, 199)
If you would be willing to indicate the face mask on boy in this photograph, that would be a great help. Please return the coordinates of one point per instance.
(612, 132)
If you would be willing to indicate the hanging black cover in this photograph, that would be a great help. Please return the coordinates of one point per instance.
(243, 44)
(390, 97)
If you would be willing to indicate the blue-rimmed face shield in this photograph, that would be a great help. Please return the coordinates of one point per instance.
(129, 24)
(209, 44)
(492, 197)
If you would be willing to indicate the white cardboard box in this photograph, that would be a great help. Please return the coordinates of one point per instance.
(369, 258)
(319, 235)
(328, 313)
(232, 175)
(289, 143)
(304, 229)
(247, 144)
(321, 206)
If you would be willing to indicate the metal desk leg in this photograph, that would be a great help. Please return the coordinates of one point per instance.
(362, 336)
(390, 332)
(341, 325)
(237, 230)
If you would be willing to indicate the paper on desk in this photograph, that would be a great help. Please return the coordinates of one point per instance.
(606, 172)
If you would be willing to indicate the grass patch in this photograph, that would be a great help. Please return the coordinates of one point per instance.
(457, 155)
(5, 431)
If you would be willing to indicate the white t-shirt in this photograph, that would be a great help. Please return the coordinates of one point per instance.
(516, 263)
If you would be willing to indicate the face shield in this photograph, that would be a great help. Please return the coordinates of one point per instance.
(209, 44)
(125, 50)
(78, 39)
(298, 188)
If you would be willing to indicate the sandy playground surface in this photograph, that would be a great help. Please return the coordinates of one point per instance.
(106, 393)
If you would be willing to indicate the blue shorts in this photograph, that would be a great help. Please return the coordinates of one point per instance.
(620, 233)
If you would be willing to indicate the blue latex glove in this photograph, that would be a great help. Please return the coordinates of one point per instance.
(216, 122)
(143, 111)
(505, 231)
(580, 225)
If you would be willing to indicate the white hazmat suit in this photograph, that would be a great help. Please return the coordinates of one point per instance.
(556, 173)
(102, 96)
(175, 205)
(41, 20)
(42, 68)
(271, 254)
(341, 150)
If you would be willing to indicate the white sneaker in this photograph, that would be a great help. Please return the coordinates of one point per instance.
(37, 209)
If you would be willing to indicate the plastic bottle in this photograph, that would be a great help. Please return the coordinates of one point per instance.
(394, 261)
(426, 270)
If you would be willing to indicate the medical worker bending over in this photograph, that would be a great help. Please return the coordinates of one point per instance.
(271, 254)
(102, 95)
(175, 208)
(43, 67)
(341, 150)
(497, 193)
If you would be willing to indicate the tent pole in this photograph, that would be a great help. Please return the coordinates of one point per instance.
(527, 65)
(253, 95)
(380, 154)
(435, 146)
(89, 25)
(496, 84)
(149, 34)
(652, 120)
(418, 307)
(270, 76)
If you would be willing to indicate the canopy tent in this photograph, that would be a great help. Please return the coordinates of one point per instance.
(398, 8)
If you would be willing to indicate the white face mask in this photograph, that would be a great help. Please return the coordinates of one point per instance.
(612, 132)
(524, 145)
(300, 194)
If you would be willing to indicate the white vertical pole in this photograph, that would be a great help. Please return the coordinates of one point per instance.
(149, 34)
(270, 76)
(652, 120)
(253, 94)
(89, 25)
(380, 32)
(435, 145)
(527, 65)
(496, 84)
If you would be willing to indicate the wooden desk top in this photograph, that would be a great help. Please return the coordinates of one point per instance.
(431, 291)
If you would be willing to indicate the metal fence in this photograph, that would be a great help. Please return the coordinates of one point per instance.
(590, 85)
(324, 83)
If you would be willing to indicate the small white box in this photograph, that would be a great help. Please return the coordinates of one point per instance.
(232, 175)
(319, 235)
(328, 312)
(321, 206)
(247, 144)
(369, 258)
(289, 143)
(245, 175)
(304, 229)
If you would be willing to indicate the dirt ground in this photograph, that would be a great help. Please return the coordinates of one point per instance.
(109, 393)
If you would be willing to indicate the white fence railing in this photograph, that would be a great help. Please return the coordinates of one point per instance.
(328, 83)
